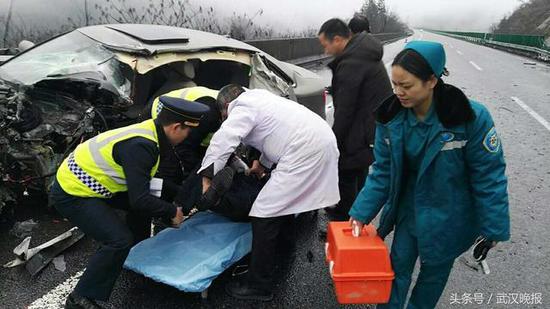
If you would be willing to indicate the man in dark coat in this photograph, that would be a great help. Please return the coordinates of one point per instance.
(358, 24)
(359, 84)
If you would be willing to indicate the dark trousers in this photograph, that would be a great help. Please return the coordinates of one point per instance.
(350, 182)
(270, 238)
(235, 204)
(98, 220)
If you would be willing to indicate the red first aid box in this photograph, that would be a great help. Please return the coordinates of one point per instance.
(359, 266)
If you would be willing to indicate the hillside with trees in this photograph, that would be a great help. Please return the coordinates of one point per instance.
(532, 17)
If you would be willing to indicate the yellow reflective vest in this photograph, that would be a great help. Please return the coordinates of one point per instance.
(91, 171)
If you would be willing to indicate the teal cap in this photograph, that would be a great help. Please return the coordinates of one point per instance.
(432, 52)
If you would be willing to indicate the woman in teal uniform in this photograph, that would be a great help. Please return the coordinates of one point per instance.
(439, 176)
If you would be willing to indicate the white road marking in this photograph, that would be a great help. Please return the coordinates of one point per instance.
(459, 52)
(532, 113)
(476, 66)
(55, 298)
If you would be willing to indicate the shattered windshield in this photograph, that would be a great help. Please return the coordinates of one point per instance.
(69, 54)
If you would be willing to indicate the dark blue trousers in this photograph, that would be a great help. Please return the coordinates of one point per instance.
(431, 280)
(98, 219)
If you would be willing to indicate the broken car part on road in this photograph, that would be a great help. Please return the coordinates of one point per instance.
(40, 256)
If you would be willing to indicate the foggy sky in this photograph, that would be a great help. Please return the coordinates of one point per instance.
(469, 15)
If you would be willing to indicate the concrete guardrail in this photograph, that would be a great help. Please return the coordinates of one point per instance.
(291, 49)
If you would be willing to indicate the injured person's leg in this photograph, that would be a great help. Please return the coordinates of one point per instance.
(237, 202)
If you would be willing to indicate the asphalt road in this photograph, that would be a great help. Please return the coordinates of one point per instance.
(517, 92)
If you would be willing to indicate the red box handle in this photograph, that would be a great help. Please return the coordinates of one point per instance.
(368, 230)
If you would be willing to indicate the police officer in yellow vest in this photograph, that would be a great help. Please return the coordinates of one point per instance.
(114, 170)
(189, 154)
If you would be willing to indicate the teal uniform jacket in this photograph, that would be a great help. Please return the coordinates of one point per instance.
(461, 187)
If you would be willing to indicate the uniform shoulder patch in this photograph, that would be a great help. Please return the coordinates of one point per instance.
(491, 142)
(447, 137)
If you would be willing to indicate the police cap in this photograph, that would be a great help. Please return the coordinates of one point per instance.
(190, 112)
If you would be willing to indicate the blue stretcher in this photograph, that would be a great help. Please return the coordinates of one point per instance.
(189, 258)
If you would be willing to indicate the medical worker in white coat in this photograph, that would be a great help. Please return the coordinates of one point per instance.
(301, 148)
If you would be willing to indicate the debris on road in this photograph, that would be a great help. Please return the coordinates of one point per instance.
(41, 259)
(40, 256)
(59, 263)
(23, 229)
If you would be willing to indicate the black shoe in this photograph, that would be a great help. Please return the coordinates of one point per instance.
(241, 290)
(220, 185)
(75, 301)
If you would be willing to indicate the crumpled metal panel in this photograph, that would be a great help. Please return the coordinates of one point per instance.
(261, 77)
(37, 129)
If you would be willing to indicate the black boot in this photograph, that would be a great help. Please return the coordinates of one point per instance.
(242, 290)
(220, 185)
(75, 301)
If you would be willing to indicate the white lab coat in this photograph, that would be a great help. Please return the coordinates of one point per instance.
(287, 134)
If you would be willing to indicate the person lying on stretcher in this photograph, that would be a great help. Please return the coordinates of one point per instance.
(232, 193)
(233, 190)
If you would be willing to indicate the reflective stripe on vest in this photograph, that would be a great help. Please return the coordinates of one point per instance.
(91, 170)
(86, 179)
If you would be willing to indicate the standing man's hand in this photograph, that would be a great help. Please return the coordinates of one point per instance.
(178, 219)
(257, 169)
(206, 182)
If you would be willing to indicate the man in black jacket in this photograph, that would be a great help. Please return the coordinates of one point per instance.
(358, 24)
(359, 83)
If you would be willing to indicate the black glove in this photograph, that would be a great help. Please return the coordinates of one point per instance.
(188, 195)
(481, 248)
(221, 183)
